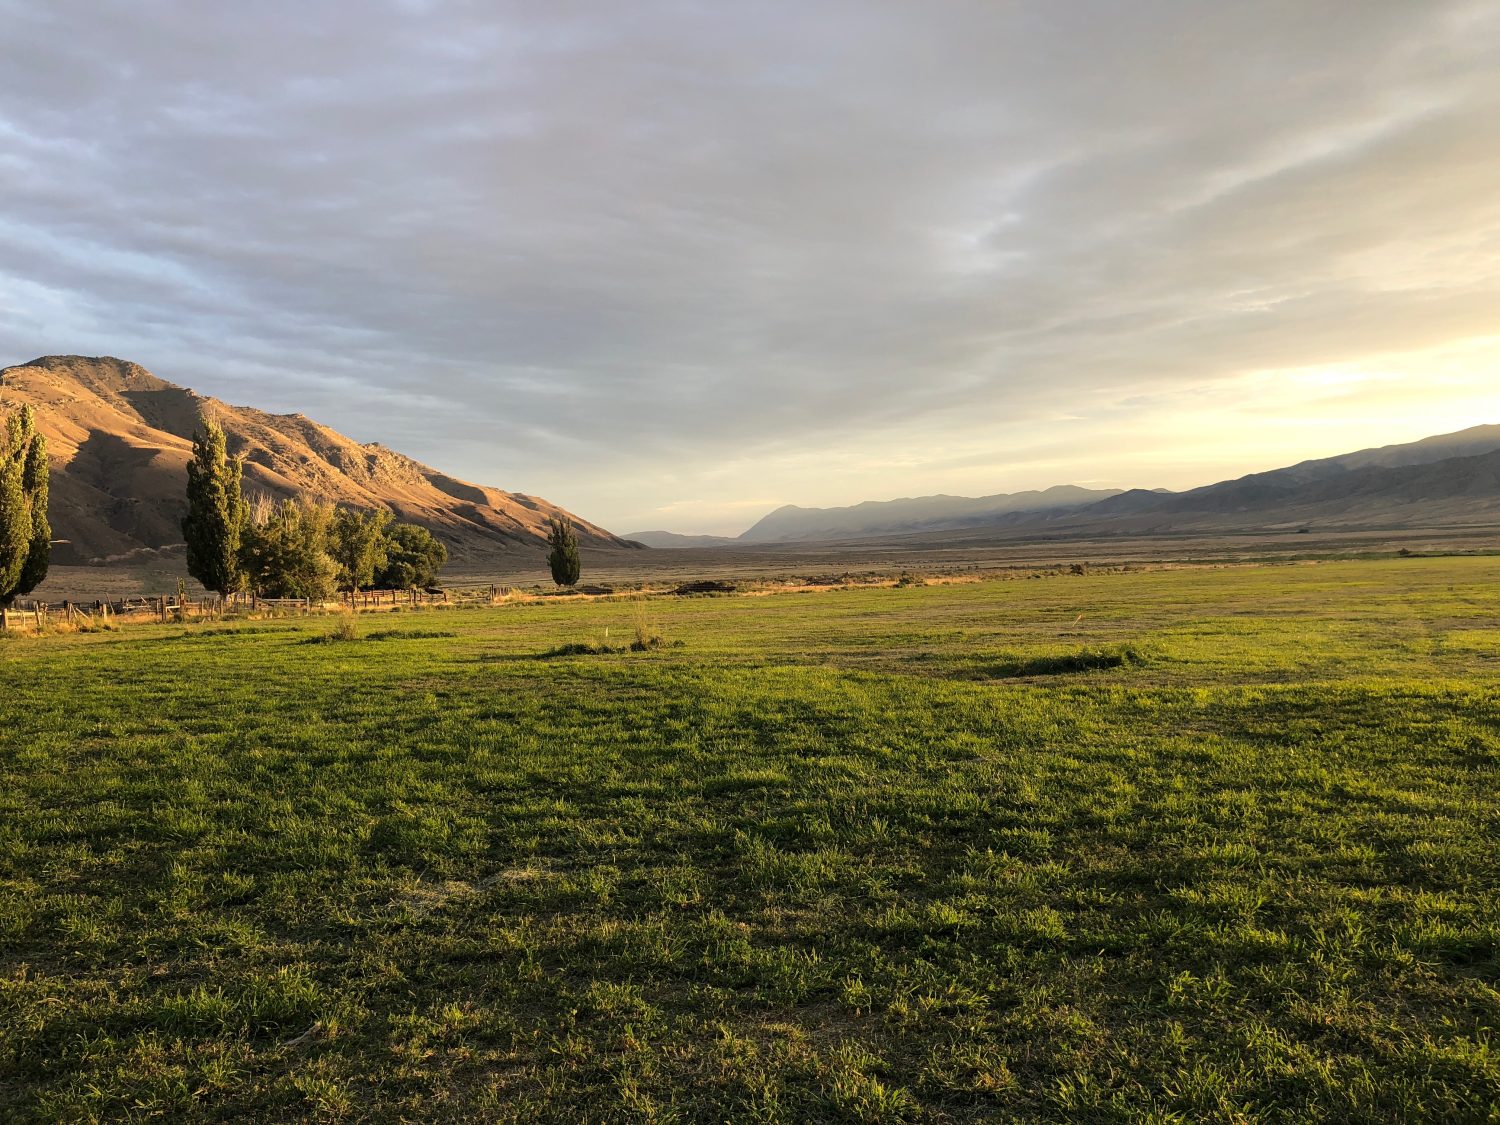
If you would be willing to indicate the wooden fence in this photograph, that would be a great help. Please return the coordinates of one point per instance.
(39, 615)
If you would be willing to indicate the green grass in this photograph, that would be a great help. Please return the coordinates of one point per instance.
(1195, 845)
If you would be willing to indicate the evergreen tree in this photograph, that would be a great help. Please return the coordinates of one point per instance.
(25, 535)
(357, 542)
(563, 558)
(15, 514)
(35, 483)
(413, 558)
(216, 512)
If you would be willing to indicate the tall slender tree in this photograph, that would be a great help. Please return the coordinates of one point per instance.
(15, 513)
(34, 481)
(563, 558)
(216, 511)
(25, 534)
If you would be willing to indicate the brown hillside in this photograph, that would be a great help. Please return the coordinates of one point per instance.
(119, 440)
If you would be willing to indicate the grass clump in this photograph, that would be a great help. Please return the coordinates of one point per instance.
(234, 630)
(1086, 659)
(647, 637)
(584, 648)
(649, 643)
(345, 629)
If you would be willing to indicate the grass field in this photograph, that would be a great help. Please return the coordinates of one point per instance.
(1184, 845)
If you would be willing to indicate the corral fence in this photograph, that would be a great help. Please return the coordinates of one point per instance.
(105, 611)
(39, 615)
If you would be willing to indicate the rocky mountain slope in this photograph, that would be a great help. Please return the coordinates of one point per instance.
(119, 440)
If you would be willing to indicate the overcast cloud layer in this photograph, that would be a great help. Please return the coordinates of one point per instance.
(671, 264)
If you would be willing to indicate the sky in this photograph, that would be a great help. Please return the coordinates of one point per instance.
(674, 264)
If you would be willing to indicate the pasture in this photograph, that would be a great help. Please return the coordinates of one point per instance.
(1175, 845)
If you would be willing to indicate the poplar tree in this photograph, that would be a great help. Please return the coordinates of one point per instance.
(25, 534)
(563, 558)
(357, 543)
(34, 482)
(216, 512)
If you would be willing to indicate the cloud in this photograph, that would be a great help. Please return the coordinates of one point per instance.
(670, 256)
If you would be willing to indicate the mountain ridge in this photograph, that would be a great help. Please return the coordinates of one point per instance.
(906, 515)
(1445, 478)
(1450, 487)
(119, 438)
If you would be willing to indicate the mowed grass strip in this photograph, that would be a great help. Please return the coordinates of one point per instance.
(870, 855)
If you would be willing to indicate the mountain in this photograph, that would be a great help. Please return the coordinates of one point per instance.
(876, 518)
(119, 440)
(670, 539)
(1465, 443)
(1343, 491)
(1448, 479)
(1292, 485)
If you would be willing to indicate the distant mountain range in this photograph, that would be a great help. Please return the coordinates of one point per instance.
(791, 524)
(1443, 480)
(119, 440)
(672, 539)
(1452, 478)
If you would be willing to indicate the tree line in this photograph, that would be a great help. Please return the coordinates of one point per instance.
(296, 547)
(292, 548)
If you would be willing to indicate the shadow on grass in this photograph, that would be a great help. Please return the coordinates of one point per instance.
(1014, 666)
(598, 648)
(578, 648)
(237, 630)
(339, 636)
